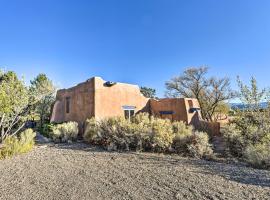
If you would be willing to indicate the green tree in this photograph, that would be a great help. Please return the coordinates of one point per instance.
(148, 92)
(42, 92)
(15, 104)
(251, 95)
(194, 83)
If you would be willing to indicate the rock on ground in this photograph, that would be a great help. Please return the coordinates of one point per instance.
(78, 171)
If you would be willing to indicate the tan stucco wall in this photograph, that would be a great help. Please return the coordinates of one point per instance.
(81, 103)
(109, 100)
(179, 106)
(169, 104)
(192, 116)
(93, 99)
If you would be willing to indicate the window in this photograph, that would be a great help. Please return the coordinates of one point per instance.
(192, 110)
(129, 111)
(129, 114)
(190, 103)
(67, 104)
(126, 114)
(166, 112)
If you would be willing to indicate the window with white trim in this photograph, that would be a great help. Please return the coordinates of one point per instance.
(129, 111)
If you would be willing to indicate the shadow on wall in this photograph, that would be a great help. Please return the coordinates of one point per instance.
(145, 109)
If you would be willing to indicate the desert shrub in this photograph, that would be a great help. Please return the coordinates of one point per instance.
(13, 145)
(182, 136)
(91, 130)
(142, 119)
(120, 134)
(248, 134)
(65, 132)
(249, 128)
(181, 129)
(258, 155)
(145, 133)
(190, 142)
(198, 146)
(157, 133)
(10, 147)
(161, 134)
(26, 140)
(248, 137)
(47, 129)
(234, 140)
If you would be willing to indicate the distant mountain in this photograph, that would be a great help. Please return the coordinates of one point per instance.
(242, 106)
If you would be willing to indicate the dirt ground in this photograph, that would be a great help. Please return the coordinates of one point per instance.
(78, 171)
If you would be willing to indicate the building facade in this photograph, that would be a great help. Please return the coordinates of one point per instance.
(102, 99)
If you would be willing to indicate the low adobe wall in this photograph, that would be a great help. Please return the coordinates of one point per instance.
(212, 128)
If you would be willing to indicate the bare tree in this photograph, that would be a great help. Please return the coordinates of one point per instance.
(210, 92)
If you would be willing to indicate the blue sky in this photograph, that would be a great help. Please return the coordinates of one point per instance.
(145, 42)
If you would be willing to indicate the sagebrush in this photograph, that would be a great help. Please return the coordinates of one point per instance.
(146, 133)
(65, 132)
(248, 137)
(248, 134)
(14, 145)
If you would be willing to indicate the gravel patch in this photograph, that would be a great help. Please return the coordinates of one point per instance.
(79, 171)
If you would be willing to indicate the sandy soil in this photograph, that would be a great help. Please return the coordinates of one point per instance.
(77, 171)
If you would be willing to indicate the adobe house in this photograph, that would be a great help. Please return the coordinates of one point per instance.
(102, 99)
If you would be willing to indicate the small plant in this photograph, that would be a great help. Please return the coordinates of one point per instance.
(65, 132)
(26, 140)
(258, 155)
(47, 129)
(181, 129)
(10, 147)
(182, 137)
(142, 119)
(91, 130)
(199, 146)
(162, 134)
(13, 145)
(186, 141)
(235, 141)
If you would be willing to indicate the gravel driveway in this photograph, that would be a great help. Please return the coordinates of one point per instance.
(77, 171)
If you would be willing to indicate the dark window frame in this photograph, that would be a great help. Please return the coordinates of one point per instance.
(68, 105)
(193, 110)
(166, 112)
